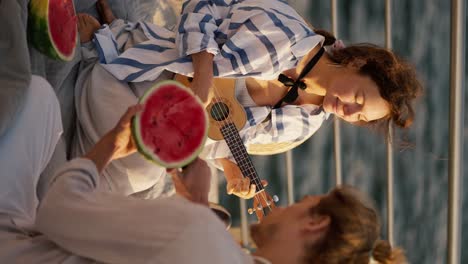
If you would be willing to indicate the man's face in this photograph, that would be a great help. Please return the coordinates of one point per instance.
(286, 223)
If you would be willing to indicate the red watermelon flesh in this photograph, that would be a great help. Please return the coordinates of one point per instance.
(62, 25)
(52, 28)
(173, 125)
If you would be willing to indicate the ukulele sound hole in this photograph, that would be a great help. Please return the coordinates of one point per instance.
(219, 111)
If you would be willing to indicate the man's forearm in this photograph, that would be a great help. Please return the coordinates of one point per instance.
(77, 216)
(101, 154)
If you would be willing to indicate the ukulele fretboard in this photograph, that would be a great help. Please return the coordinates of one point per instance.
(238, 150)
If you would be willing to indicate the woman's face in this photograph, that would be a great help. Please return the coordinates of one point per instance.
(354, 97)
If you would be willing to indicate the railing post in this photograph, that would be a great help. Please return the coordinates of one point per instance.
(336, 121)
(244, 223)
(213, 195)
(390, 178)
(290, 177)
(457, 65)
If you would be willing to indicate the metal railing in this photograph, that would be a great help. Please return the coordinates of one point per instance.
(290, 177)
(336, 121)
(390, 178)
(457, 70)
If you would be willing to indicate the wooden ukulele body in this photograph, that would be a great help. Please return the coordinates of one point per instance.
(227, 117)
(224, 98)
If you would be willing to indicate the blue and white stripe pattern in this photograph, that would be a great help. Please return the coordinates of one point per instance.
(258, 38)
(290, 123)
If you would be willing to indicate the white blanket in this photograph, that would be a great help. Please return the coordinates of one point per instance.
(100, 101)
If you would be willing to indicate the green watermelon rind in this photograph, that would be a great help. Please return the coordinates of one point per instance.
(147, 153)
(39, 33)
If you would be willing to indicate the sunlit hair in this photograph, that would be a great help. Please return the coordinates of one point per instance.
(395, 78)
(353, 234)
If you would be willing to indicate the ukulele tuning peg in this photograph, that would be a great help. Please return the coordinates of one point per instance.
(275, 198)
(250, 211)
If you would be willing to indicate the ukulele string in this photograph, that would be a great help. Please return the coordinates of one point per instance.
(224, 122)
(256, 181)
(219, 113)
(229, 120)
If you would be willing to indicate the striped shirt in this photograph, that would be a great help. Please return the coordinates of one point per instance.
(257, 38)
(290, 123)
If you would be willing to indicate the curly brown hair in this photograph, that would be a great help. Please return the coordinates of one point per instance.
(395, 77)
(353, 233)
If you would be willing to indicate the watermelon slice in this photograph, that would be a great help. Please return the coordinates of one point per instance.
(173, 126)
(52, 28)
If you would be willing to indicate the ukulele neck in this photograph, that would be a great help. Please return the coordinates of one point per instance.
(238, 150)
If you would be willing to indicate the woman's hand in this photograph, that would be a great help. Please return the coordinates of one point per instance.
(193, 182)
(201, 85)
(203, 74)
(242, 188)
(117, 143)
(237, 184)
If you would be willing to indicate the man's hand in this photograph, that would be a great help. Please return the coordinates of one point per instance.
(121, 135)
(193, 182)
(117, 143)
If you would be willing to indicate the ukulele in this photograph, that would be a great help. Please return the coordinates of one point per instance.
(227, 117)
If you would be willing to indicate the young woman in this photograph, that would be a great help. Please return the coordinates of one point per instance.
(361, 84)
(286, 82)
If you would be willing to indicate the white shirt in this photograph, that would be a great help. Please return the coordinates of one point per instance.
(113, 228)
(25, 150)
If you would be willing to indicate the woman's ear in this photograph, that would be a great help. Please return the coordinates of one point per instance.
(358, 63)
